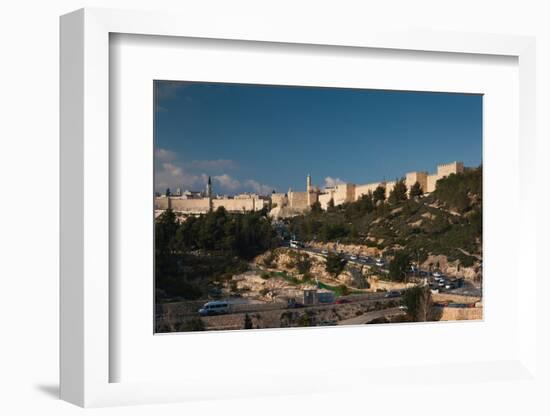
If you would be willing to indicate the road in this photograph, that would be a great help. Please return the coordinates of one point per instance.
(369, 316)
(469, 288)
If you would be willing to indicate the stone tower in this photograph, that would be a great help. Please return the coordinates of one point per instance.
(309, 190)
(209, 194)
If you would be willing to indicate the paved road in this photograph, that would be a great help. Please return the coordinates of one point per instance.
(469, 288)
(369, 316)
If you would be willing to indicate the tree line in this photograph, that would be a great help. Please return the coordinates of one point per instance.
(189, 254)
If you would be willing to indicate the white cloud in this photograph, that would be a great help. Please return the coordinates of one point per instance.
(331, 182)
(212, 166)
(193, 175)
(226, 182)
(258, 187)
(164, 155)
(170, 175)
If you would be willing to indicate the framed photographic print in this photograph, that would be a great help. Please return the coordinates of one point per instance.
(242, 243)
(255, 204)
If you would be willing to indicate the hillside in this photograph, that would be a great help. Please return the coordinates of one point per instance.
(448, 222)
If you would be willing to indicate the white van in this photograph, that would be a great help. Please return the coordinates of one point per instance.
(216, 307)
(295, 244)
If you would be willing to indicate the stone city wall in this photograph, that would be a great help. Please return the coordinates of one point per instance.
(201, 205)
(430, 182)
(280, 199)
(324, 199)
(298, 200)
(447, 169)
(361, 190)
(238, 205)
(458, 314)
(190, 205)
(344, 193)
(420, 177)
(389, 187)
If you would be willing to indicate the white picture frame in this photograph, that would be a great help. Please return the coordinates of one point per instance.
(86, 355)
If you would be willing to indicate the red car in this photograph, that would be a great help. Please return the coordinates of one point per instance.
(341, 301)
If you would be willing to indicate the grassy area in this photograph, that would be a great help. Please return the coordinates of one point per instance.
(340, 290)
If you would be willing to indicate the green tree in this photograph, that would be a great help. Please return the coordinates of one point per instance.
(458, 191)
(303, 264)
(344, 290)
(316, 208)
(418, 302)
(398, 193)
(335, 263)
(399, 266)
(415, 191)
(247, 321)
(379, 194)
(365, 203)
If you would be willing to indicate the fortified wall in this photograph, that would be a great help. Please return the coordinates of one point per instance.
(202, 205)
(293, 202)
(296, 202)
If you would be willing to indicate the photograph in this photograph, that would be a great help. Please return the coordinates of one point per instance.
(297, 206)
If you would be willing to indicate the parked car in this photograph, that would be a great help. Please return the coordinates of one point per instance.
(392, 294)
(342, 301)
(216, 307)
(437, 274)
(353, 257)
(325, 252)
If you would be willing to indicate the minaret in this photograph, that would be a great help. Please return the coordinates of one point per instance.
(209, 194)
(308, 189)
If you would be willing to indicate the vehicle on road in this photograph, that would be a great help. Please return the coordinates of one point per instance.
(437, 274)
(296, 244)
(342, 301)
(441, 283)
(380, 262)
(325, 252)
(353, 257)
(216, 307)
(450, 285)
(392, 294)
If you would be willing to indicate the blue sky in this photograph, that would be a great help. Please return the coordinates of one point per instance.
(254, 138)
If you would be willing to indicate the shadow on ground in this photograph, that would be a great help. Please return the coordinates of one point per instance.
(51, 390)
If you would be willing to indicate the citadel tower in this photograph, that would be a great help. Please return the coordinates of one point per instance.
(209, 194)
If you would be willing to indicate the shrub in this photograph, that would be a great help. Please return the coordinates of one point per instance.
(418, 301)
(335, 263)
(193, 324)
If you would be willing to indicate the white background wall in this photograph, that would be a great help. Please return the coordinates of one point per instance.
(29, 164)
